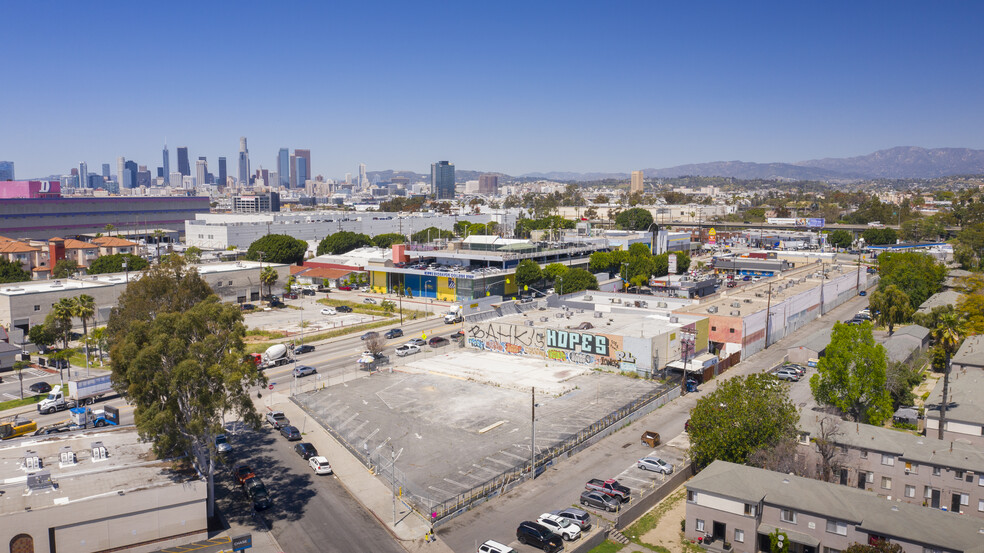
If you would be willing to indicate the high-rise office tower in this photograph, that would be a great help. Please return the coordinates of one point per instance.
(121, 172)
(105, 172)
(175, 179)
(274, 180)
(143, 177)
(363, 181)
(167, 164)
(184, 166)
(130, 168)
(222, 171)
(283, 167)
(488, 185)
(306, 156)
(442, 180)
(300, 170)
(348, 178)
(243, 162)
(6, 170)
(160, 173)
(637, 182)
(84, 175)
(201, 169)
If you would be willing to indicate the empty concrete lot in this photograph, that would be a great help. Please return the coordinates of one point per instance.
(450, 434)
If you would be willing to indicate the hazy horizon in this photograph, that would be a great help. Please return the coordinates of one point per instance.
(510, 87)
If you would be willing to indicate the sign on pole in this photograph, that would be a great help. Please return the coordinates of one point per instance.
(672, 261)
(241, 542)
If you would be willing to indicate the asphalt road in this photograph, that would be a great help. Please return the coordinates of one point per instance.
(310, 513)
(560, 486)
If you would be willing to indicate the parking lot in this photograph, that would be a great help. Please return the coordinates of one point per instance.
(449, 435)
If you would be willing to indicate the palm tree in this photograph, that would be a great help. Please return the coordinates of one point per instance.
(84, 307)
(269, 277)
(63, 311)
(109, 229)
(947, 338)
(158, 234)
(19, 367)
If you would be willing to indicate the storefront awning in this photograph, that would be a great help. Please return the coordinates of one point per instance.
(795, 537)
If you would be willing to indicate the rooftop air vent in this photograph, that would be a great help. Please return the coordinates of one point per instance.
(66, 456)
(735, 304)
(99, 452)
(736, 313)
(712, 309)
(31, 461)
(598, 314)
(39, 481)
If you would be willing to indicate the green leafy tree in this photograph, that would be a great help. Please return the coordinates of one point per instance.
(576, 280)
(639, 250)
(64, 268)
(184, 371)
(114, 263)
(277, 248)
(528, 273)
(635, 218)
(193, 254)
(269, 277)
(554, 270)
(387, 240)
(683, 262)
(946, 335)
(840, 238)
(879, 236)
(891, 307)
(600, 262)
(343, 242)
(291, 281)
(11, 271)
(42, 336)
(917, 274)
(743, 415)
(430, 234)
(851, 375)
(970, 304)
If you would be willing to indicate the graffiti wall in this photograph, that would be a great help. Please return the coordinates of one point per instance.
(569, 346)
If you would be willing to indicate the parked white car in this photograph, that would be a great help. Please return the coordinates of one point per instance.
(560, 526)
(328, 311)
(319, 465)
(407, 349)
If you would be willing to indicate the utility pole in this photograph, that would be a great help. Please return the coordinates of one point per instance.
(768, 316)
(393, 481)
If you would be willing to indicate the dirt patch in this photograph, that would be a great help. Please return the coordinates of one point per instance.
(666, 533)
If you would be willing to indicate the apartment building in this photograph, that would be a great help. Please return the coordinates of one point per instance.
(920, 470)
(743, 506)
(965, 409)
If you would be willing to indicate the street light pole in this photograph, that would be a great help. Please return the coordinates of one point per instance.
(533, 433)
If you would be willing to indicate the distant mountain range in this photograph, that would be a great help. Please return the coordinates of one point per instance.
(895, 163)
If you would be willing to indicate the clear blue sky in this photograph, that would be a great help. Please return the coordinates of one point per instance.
(504, 86)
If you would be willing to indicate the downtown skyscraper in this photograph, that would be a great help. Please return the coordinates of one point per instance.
(300, 168)
(83, 175)
(283, 167)
(442, 180)
(222, 171)
(201, 170)
(184, 167)
(6, 170)
(243, 162)
(167, 165)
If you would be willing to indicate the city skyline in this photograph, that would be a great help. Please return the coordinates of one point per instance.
(583, 89)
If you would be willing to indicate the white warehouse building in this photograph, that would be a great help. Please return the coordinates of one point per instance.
(215, 231)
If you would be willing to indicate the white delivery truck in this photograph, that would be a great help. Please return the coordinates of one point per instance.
(83, 391)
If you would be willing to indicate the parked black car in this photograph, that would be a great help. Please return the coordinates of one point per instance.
(437, 341)
(40, 387)
(257, 493)
(343, 309)
(306, 450)
(539, 536)
(393, 333)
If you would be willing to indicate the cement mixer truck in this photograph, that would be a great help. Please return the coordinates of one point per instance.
(274, 356)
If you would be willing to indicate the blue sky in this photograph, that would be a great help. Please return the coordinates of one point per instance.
(497, 86)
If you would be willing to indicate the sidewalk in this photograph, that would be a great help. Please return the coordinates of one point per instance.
(373, 494)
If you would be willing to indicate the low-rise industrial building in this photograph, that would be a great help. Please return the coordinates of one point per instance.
(97, 491)
(744, 506)
(594, 329)
(749, 318)
(25, 304)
